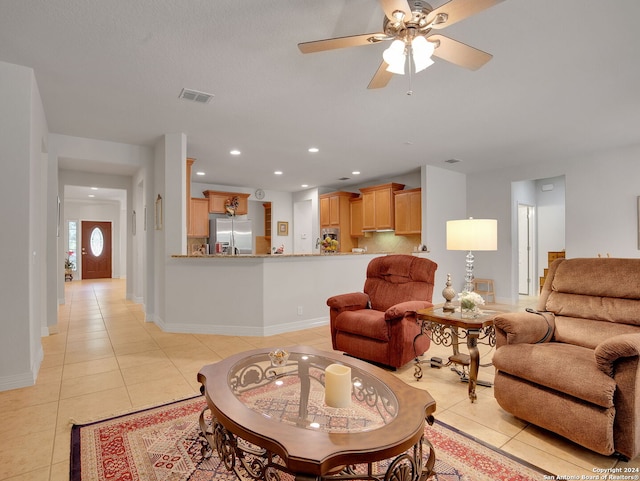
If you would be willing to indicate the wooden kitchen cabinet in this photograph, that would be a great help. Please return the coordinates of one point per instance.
(356, 217)
(334, 209)
(335, 212)
(378, 206)
(198, 218)
(408, 211)
(217, 201)
(324, 212)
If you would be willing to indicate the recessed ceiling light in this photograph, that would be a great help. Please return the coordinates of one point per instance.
(452, 161)
(304, 185)
(199, 173)
(356, 172)
(278, 172)
(235, 152)
(91, 195)
(94, 188)
(313, 150)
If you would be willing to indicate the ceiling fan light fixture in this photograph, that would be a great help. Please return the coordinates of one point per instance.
(395, 57)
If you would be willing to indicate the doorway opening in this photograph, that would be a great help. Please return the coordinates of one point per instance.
(526, 250)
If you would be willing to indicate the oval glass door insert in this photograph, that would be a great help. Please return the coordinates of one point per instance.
(97, 241)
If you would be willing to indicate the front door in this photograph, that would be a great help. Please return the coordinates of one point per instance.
(96, 249)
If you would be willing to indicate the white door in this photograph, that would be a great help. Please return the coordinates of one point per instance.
(525, 250)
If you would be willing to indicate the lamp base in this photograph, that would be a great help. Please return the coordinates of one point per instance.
(468, 278)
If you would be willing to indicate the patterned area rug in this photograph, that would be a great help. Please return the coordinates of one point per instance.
(164, 444)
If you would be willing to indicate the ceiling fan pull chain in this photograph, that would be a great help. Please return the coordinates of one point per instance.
(410, 58)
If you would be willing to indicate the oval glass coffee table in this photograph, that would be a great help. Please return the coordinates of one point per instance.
(267, 420)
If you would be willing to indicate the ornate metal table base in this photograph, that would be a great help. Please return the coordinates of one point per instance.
(251, 462)
(447, 335)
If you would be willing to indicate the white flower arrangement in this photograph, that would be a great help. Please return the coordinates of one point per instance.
(470, 300)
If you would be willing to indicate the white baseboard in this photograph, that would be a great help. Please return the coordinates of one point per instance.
(23, 379)
(234, 330)
(16, 381)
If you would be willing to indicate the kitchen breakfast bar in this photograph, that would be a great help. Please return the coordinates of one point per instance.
(255, 295)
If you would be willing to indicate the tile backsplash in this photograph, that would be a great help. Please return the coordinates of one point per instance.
(389, 242)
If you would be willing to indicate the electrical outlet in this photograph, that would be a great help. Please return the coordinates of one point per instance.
(299, 310)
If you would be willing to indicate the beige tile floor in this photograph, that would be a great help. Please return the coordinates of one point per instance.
(106, 360)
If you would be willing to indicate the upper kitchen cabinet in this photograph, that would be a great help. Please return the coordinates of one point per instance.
(378, 212)
(217, 201)
(335, 213)
(408, 211)
(198, 218)
(356, 217)
(334, 210)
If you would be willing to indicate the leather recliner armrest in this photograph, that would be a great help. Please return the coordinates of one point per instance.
(523, 328)
(402, 308)
(349, 302)
(614, 348)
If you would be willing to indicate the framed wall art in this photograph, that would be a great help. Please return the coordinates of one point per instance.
(283, 228)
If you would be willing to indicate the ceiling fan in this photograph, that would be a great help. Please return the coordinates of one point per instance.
(409, 25)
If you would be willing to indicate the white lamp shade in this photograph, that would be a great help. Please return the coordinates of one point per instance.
(394, 57)
(472, 235)
(422, 50)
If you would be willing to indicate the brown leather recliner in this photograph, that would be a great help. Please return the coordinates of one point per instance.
(575, 368)
(379, 324)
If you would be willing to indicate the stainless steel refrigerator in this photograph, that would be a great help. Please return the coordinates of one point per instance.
(233, 232)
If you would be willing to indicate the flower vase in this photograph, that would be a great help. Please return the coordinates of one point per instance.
(468, 312)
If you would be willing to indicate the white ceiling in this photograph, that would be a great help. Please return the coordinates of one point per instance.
(563, 82)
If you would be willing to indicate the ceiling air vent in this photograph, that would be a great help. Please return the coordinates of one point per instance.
(195, 96)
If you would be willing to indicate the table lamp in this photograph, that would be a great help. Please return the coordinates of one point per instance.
(472, 235)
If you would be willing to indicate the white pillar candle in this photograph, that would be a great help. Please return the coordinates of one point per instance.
(337, 386)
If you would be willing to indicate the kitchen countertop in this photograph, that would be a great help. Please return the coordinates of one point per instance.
(270, 256)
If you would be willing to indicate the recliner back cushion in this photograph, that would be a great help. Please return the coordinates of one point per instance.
(625, 311)
(398, 278)
(599, 289)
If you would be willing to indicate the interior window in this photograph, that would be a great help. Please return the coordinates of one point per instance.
(72, 246)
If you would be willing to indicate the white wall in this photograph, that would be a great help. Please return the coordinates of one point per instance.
(443, 198)
(601, 191)
(550, 219)
(256, 296)
(601, 204)
(23, 132)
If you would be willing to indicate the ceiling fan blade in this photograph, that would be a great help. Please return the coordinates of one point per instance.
(390, 6)
(459, 53)
(457, 10)
(381, 77)
(342, 42)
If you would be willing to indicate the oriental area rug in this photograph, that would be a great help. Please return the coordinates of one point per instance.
(164, 444)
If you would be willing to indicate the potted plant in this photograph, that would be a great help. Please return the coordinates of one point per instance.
(69, 266)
